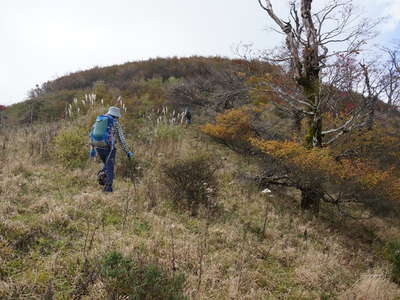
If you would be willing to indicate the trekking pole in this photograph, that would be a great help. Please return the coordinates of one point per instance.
(127, 201)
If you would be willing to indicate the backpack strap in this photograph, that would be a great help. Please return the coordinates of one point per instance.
(111, 124)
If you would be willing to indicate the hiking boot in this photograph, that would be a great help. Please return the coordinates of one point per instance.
(101, 177)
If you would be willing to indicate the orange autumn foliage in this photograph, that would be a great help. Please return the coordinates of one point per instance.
(232, 127)
(320, 165)
(382, 145)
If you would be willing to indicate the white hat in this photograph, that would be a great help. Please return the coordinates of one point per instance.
(114, 111)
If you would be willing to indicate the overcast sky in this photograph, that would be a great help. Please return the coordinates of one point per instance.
(44, 39)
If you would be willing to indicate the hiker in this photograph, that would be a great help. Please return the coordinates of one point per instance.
(102, 141)
(188, 116)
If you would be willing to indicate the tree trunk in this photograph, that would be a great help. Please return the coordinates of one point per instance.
(314, 136)
(371, 99)
(311, 90)
(371, 103)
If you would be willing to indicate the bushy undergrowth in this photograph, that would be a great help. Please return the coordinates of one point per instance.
(167, 132)
(317, 171)
(191, 181)
(129, 169)
(126, 279)
(40, 138)
(4, 141)
(232, 128)
(393, 255)
(70, 147)
(372, 144)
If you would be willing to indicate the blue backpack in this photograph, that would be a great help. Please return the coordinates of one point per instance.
(101, 135)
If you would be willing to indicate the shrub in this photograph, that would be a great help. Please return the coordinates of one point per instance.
(233, 128)
(129, 169)
(4, 144)
(191, 181)
(125, 278)
(315, 170)
(164, 132)
(70, 147)
(373, 143)
(392, 254)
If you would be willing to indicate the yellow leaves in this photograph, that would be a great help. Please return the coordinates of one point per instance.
(382, 144)
(321, 163)
(291, 151)
(377, 138)
(232, 126)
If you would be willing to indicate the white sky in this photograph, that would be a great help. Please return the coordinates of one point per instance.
(45, 39)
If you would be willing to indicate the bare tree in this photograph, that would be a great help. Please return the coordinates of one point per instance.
(381, 80)
(374, 80)
(316, 42)
(391, 78)
(36, 92)
(33, 95)
(322, 60)
(372, 88)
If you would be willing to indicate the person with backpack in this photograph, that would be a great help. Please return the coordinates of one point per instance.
(188, 116)
(105, 131)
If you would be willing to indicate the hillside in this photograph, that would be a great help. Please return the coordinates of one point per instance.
(233, 237)
(190, 81)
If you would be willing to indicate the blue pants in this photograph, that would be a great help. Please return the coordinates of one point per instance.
(108, 158)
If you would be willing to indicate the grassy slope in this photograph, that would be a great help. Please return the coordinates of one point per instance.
(52, 219)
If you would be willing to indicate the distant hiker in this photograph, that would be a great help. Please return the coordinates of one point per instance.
(102, 141)
(188, 116)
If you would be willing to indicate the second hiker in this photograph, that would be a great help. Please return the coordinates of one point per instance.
(188, 116)
(105, 131)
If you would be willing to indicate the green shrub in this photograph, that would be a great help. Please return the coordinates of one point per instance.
(167, 132)
(70, 147)
(392, 254)
(191, 181)
(126, 279)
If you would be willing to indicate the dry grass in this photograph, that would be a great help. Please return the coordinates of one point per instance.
(52, 220)
(372, 286)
